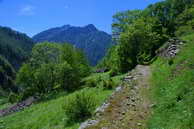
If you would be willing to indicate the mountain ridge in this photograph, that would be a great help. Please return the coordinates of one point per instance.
(92, 41)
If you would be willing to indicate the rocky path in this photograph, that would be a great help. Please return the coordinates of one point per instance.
(129, 107)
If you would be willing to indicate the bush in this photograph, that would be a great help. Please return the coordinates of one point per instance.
(52, 67)
(91, 83)
(13, 98)
(108, 84)
(80, 106)
(184, 30)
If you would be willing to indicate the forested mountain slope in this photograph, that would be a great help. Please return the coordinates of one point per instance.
(14, 46)
(88, 38)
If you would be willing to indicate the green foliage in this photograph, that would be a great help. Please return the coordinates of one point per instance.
(48, 114)
(184, 30)
(185, 22)
(111, 60)
(67, 76)
(103, 80)
(13, 98)
(122, 19)
(14, 46)
(173, 90)
(92, 82)
(140, 33)
(52, 67)
(76, 59)
(138, 43)
(2, 125)
(185, 17)
(80, 106)
(7, 76)
(44, 53)
(167, 11)
(108, 84)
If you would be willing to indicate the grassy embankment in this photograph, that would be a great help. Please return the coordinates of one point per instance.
(173, 90)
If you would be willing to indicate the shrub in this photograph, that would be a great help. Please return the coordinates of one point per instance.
(80, 106)
(13, 98)
(91, 83)
(2, 124)
(184, 30)
(108, 84)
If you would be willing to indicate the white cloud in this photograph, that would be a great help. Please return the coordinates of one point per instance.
(27, 10)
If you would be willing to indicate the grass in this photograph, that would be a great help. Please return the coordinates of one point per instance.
(47, 115)
(50, 114)
(173, 90)
(4, 103)
(98, 78)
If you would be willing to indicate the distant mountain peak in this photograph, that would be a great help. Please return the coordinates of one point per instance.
(91, 27)
(66, 26)
(92, 41)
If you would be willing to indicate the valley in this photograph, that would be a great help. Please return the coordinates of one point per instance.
(140, 76)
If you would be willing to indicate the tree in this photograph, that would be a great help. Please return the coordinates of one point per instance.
(44, 53)
(52, 67)
(138, 43)
(123, 19)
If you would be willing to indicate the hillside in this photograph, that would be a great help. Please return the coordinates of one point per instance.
(14, 46)
(7, 76)
(172, 90)
(135, 103)
(145, 81)
(88, 38)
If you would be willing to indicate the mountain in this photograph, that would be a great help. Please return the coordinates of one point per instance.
(15, 47)
(88, 38)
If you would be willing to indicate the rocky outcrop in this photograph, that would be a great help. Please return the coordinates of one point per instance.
(170, 48)
(17, 107)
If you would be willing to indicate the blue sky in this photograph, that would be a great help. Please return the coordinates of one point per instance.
(33, 16)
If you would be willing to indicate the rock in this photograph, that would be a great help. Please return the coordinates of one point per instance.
(139, 124)
(133, 99)
(101, 70)
(152, 105)
(118, 89)
(17, 107)
(171, 49)
(129, 77)
(88, 123)
(101, 108)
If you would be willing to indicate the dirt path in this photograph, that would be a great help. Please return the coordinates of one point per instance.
(128, 108)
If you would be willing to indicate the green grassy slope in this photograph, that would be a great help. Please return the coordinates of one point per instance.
(50, 114)
(173, 90)
(47, 115)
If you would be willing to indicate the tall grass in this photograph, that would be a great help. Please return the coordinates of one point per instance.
(173, 90)
(49, 114)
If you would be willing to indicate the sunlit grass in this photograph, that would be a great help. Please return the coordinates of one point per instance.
(173, 91)
(50, 114)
